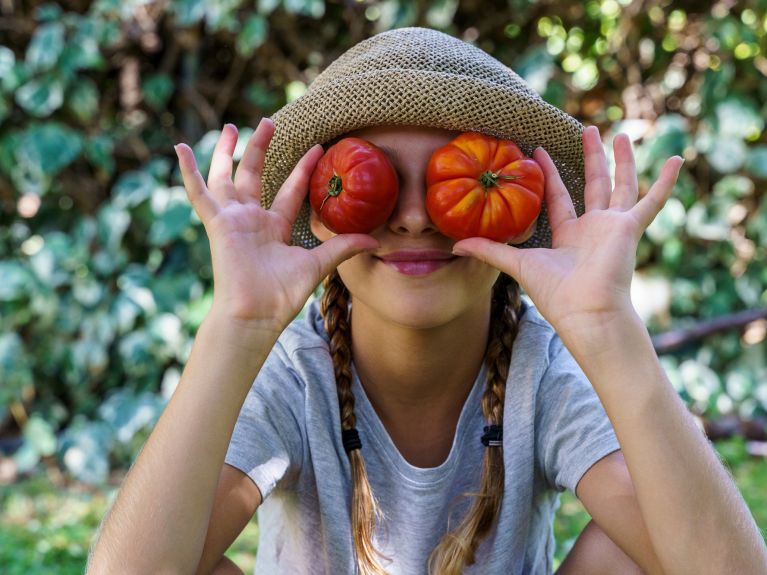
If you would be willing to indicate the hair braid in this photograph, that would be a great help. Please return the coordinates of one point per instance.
(457, 548)
(365, 510)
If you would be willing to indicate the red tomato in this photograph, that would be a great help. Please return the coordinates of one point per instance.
(354, 187)
(481, 186)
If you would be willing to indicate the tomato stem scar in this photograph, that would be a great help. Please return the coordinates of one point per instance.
(335, 187)
(490, 179)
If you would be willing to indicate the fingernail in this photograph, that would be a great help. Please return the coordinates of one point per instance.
(460, 252)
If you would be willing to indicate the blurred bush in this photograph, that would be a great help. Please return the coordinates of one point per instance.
(104, 268)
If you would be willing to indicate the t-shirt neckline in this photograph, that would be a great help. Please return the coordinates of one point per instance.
(369, 422)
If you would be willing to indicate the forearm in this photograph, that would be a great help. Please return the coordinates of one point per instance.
(696, 518)
(159, 521)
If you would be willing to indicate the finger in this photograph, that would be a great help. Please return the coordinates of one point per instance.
(220, 174)
(247, 179)
(626, 190)
(499, 255)
(559, 204)
(332, 252)
(291, 195)
(648, 207)
(205, 206)
(598, 183)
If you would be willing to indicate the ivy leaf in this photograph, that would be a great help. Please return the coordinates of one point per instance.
(46, 46)
(50, 146)
(252, 35)
(83, 99)
(157, 90)
(41, 97)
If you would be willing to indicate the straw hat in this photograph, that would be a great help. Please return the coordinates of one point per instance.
(418, 76)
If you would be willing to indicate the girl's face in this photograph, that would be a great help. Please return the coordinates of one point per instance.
(419, 294)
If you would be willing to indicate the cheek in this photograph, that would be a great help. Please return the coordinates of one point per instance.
(318, 229)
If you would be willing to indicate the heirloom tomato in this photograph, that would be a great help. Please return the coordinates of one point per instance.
(354, 187)
(481, 186)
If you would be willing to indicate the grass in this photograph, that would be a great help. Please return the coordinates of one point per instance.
(45, 529)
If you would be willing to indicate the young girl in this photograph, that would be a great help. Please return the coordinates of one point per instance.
(420, 417)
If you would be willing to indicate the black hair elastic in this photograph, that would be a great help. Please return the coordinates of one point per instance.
(493, 436)
(351, 439)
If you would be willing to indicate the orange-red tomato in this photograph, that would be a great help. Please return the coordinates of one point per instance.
(481, 186)
(354, 187)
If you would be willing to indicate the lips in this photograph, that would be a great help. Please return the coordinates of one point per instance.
(417, 262)
(417, 256)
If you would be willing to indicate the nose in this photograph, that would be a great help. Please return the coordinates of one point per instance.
(410, 216)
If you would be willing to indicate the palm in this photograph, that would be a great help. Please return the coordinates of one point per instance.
(583, 271)
(586, 274)
(258, 277)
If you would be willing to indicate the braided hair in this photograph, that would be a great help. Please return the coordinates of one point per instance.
(457, 548)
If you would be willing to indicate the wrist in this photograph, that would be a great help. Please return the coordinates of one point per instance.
(243, 329)
(596, 333)
(237, 336)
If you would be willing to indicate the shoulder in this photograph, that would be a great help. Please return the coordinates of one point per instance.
(536, 340)
(305, 332)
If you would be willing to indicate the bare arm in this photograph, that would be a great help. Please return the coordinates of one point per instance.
(697, 520)
(159, 521)
(160, 518)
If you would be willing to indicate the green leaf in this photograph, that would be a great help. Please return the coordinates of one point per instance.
(82, 52)
(757, 162)
(83, 99)
(188, 12)
(46, 46)
(132, 188)
(727, 154)
(17, 281)
(253, 34)
(100, 152)
(48, 12)
(266, 7)
(733, 187)
(5, 109)
(738, 117)
(15, 367)
(40, 435)
(50, 146)
(113, 222)
(170, 224)
(668, 223)
(84, 451)
(128, 413)
(7, 61)
(312, 8)
(41, 97)
(157, 90)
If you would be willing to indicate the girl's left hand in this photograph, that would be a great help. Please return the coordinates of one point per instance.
(584, 279)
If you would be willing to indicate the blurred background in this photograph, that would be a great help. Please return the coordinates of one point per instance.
(104, 268)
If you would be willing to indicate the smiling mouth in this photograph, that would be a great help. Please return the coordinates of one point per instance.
(417, 267)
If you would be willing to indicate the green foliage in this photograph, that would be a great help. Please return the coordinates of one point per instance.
(105, 269)
(47, 529)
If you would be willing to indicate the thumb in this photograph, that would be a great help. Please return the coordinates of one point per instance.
(337, 249)
(499, 255)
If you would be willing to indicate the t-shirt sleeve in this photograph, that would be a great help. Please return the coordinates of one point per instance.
(268, 438)
(573, 431)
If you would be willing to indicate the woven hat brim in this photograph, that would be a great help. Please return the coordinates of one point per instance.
(422, 98)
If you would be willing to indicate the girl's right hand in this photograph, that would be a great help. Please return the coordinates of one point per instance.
(260, 280)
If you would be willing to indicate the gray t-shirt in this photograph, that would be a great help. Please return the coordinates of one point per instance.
(288, 440)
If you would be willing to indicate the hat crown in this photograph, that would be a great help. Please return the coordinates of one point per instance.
(420, 77)
(421, 50)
